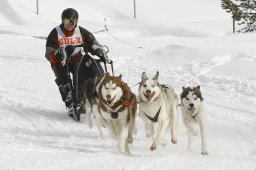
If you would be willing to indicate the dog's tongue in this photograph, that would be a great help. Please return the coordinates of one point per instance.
(191, 110)
(149, 96)
(109, 102)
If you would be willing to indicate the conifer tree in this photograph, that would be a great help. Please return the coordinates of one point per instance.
(243, 11)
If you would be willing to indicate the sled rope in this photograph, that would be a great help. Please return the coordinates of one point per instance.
(135, 84)
(107, 30)
(114, 37)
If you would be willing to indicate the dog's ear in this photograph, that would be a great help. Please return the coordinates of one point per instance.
(107, 74)
(156, 76)
(144, 76)
(183, 88)
(120, 76)
(198, 87)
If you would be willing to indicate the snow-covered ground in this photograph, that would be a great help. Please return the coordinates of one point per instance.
(190, 43)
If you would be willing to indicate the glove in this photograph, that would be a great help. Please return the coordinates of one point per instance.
(100, 53)
(58, 53)
(69, 50)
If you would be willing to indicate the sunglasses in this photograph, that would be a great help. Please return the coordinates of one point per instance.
(70, 21)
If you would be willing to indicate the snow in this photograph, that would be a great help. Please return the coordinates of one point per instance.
(190, 43)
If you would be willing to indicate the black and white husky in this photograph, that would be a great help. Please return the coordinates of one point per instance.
(158, 109)
(193, 112)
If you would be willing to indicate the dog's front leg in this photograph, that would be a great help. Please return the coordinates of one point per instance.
(98, 120)
(173, 121)
(203, 138)
(112, 130)
(159, 138)
(189, 133)
(151, 129)
(145, 119)
(130, 130)
(121, 135)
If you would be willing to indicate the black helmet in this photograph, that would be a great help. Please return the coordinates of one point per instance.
(69, 13)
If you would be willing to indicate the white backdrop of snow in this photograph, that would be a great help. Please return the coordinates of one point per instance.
(189, 42)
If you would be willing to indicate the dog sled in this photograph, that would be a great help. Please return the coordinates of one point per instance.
(85, 84)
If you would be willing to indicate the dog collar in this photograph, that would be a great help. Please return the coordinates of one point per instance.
(156, 116)
(114, 115)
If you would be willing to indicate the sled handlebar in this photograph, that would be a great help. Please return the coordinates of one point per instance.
(105, 50)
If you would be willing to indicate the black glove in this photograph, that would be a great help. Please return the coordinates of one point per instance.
(69, 49)
(100, 53)
(58, 53)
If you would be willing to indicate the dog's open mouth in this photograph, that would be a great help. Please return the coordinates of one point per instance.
(110, 101)
(149, 96)
(191, 110)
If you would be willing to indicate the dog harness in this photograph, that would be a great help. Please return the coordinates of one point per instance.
(155, 119)
(114, 115)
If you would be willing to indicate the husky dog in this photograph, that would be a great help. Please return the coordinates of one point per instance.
(117, 106)
(158, 109)
(193, 112)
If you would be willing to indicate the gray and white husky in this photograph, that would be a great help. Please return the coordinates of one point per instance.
(158, 109)
(193, 112)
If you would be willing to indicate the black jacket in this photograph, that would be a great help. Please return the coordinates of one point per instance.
(52, 40)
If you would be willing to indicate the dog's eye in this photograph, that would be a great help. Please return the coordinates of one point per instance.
(153, 86)
(144, 85)
(106, 88)
(187, 98)
(114, 88)
(195, 98)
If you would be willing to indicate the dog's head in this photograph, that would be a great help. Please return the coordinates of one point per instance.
(110, 89)
(149, 88)
(191, 98)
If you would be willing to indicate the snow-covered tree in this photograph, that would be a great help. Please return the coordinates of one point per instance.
(243, 11)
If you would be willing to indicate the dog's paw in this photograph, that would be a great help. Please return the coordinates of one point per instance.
(112, 135)
(153, 147)
(121, 148)
(205, 153)
(174, 140)
(129, 140)
(163, 143)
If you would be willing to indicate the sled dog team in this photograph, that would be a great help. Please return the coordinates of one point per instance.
(157, 105)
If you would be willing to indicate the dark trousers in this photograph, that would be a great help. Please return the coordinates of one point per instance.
(77, 74)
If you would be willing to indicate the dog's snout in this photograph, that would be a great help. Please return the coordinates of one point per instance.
(191, 105)
(108, 96)
(148, 91)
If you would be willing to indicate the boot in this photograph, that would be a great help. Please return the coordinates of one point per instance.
(73, 113)
(66, 93)
(80, 108)
(67, 97)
